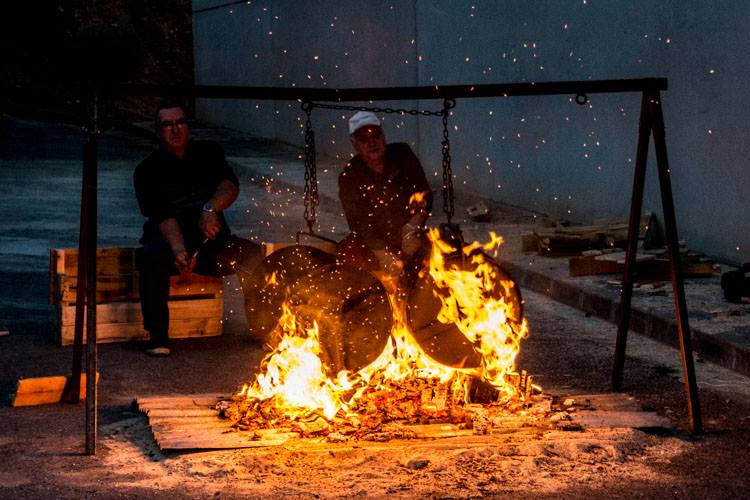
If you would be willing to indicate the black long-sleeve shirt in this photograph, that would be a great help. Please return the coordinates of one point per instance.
(167, 186)
(377, 205)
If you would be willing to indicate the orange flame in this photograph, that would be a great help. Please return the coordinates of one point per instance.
(294, 376)
(418, 200)
(475, 304)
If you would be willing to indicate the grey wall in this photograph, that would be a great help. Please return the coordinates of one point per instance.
(542, 153)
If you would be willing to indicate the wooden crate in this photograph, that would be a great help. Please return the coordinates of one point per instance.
(196, 302)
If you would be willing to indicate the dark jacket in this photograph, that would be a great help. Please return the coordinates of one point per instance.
(377, 205)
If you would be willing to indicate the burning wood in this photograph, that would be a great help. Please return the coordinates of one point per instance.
(409, 409)
(405, 388)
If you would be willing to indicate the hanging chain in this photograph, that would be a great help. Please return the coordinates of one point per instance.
(311, 182)
(311, 175)
(447, 172)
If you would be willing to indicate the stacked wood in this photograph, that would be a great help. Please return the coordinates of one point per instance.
(562, 240)
(196, 303)
(650, 264)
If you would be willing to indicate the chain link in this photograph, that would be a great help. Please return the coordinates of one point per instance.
(447, 171)
(311, 175)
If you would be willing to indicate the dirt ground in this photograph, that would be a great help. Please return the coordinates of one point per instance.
(42, 448)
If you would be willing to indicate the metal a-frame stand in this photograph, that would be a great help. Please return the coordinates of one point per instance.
(652, 122)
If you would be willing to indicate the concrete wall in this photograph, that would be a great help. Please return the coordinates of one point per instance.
(542, 153)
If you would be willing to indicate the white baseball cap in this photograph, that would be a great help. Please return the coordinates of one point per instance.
(361, 119)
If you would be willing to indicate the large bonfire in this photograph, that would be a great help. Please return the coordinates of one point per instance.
(296, 391)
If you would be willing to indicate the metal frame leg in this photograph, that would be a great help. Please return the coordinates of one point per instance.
(636, 203)
(652, 121)
(90, 186)
(675, 265)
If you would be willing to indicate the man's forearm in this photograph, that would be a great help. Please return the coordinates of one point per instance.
(172, 234)
(224, 195)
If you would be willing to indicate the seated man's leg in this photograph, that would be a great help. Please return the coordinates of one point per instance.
(233, 255)
(156, 265)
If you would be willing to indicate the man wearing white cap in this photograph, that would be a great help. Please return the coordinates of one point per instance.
(386, 200)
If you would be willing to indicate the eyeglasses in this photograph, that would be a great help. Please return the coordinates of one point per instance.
(178, 123)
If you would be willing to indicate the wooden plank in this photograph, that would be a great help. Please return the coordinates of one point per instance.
(205, 430)
(218, 442)
(39, 390)
(609, 401)
(191, 284)
(172, 401)
(187, 421)
(126, 332)
(117, 260)
(189, 424)
(52, 276)
(182, 412)
(44, 390)
(619, 257)
(109, 288)
(631, 419)
(124, 287)
(589, 265)
(326, 246)
(130, 312)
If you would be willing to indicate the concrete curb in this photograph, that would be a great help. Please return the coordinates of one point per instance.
(647, 323)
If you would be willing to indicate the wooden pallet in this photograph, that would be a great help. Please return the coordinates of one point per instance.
(196, 303)
(190, 422)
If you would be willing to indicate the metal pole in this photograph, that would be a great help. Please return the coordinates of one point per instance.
(675, 265)
(73, 391)
(636, 203)
(396, 93)
(90, 186)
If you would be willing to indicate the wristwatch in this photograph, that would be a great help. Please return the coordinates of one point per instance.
(208, 207)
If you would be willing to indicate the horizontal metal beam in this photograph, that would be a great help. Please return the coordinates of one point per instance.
(396, 93)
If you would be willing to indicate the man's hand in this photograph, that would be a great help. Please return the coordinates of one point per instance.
(209, 224)
(411, 239)
(389, 263)
(182, 261)
(411, 235)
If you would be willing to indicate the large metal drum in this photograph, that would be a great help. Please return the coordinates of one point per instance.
(267, 287)
(349, 305)
(352, 311)
(445, 343)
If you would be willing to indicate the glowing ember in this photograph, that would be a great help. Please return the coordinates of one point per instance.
(294, 381)
(418, 199)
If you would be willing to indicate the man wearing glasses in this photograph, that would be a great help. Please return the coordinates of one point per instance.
(386, 200)
(182, 188)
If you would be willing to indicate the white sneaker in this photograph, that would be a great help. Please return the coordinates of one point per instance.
(158, 352)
